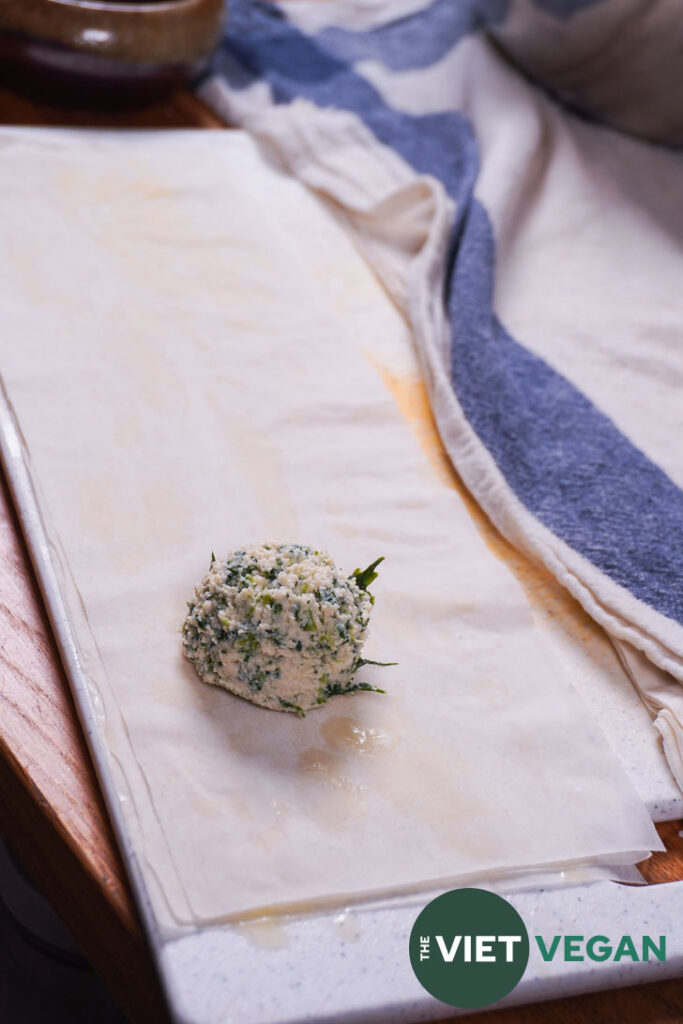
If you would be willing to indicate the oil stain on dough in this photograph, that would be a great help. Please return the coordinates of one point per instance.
(552, 606)
(265, 933)
(350, 735)
(329, 767)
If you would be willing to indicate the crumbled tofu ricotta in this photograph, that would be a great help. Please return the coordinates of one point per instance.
(280, 625)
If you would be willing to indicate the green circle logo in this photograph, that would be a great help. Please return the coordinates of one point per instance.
(469, 948)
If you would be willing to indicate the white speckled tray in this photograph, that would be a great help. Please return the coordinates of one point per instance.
(272, 974)
(228, 977)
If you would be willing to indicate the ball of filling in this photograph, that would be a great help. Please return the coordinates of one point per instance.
(280, 625)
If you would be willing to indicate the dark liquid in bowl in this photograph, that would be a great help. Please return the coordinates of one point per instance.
(105, 54)
(48, 73)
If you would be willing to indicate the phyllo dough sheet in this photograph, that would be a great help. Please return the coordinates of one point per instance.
(199, 359)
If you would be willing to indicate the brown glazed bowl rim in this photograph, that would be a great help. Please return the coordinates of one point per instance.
(167, 31)
(133, 7)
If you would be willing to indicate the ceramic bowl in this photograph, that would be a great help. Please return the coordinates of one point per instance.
(94, 51)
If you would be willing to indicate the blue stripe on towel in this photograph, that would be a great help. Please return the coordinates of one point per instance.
(564, 459)
(417, 40)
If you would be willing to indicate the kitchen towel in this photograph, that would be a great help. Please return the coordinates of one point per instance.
(538, 258)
